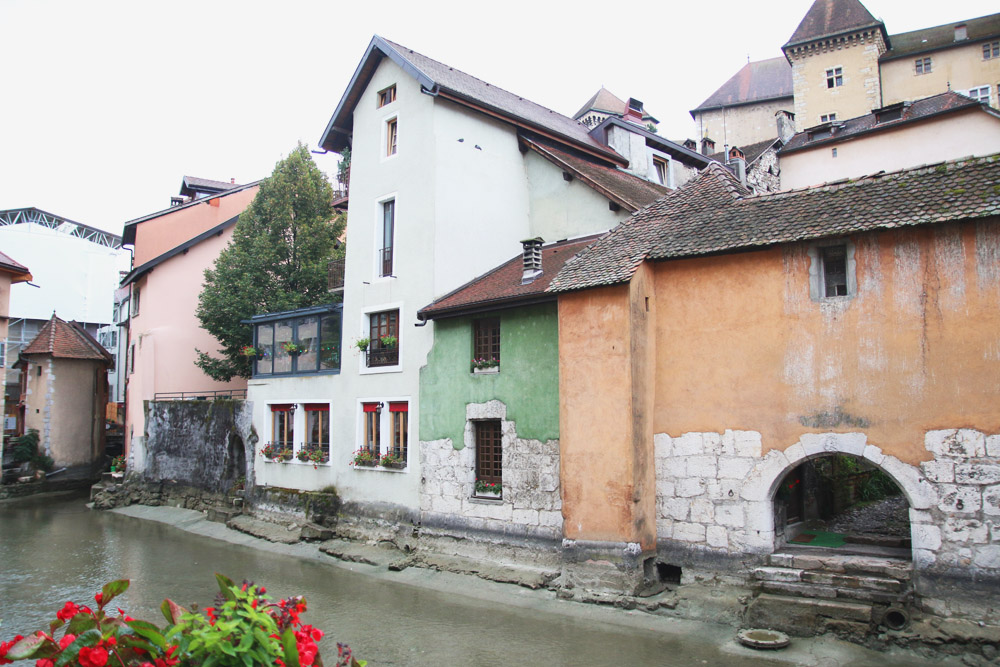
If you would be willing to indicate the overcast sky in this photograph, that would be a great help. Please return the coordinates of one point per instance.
(107, 105)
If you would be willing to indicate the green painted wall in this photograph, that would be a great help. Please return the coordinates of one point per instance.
(528, 381)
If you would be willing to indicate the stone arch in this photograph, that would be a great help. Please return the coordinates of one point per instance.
(760, 484)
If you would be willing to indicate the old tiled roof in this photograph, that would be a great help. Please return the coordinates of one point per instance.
(65, 340)
(440, 79)
(757, 81)
(832, 17)
(502, 288)
(713, 214)
(750, 152)
(20, 271)
(625, 189)
(942, 37)
(929, 107)
(605, 101)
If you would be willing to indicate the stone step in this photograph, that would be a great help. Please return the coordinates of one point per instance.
(895, 568)
(220, 515)
(832, 593)
(829, 579)
(805, 617)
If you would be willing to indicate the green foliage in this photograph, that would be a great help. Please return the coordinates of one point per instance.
(651, 128)
(278, 260)
(877, 486)
(25, 447)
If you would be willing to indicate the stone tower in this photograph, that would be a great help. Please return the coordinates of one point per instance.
(834, 57)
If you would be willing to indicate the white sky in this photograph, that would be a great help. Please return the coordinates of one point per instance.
(107, 105)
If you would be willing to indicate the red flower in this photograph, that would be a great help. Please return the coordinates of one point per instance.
(45, 662)
(66, 640)
(98, 598)
(93, 657)
(68, 611)
(5, 647)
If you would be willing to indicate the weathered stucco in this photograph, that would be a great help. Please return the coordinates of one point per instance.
(528, 381)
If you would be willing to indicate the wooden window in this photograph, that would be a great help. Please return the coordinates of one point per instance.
(489, 452)
(923, 65)
(390, 137)
(834, 270)
(991, 50)
(834, 77)
(388, 234)
(661, 170)
(282, 425)
(372, 412)
(318, 427)
(399, 412)
(387, 95)
(383, 346)
(486, 339)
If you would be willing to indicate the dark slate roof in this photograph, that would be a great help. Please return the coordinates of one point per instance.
(750, 152)
(755, 82)
(675, 149)
(942, 37)
(128, 235)
(920, 110)
(625, 189)
(501, 287)
(65, 340)
(192, 184)
(440, 79)
(714, 214)
(20, 271)
(832, 17)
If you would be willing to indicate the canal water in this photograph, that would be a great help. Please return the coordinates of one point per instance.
(53, 550)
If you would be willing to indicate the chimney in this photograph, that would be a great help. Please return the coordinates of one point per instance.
(786, 125)
(707, 146)
(961, 32)
(532, 258)
(633, 111)
(691, 145)
(232, 181)
(738, 162)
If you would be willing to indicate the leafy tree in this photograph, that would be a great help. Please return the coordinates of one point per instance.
(277, 260)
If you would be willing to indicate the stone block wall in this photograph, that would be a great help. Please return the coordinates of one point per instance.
(531, 507)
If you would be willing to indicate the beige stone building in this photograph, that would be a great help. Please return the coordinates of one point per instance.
(64, 391)
(842, 63)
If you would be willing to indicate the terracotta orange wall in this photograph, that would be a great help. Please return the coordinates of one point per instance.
(157, 236)
(607, 473)
(742, 346)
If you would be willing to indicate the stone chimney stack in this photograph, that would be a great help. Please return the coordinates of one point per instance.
(786, 125)
(532, 258)
(738, 161)
(707, 146)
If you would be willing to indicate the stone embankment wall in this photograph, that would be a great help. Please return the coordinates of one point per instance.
(715, 500)
(202, 444)
(530, 510)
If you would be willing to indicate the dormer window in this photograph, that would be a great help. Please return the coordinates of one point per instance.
(387, 96)
(961, 32)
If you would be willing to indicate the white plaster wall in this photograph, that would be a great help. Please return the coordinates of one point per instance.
(561, 209)
(948, 138)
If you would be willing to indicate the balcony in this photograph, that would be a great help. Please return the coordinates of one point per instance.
(335, 275)
(382, 356)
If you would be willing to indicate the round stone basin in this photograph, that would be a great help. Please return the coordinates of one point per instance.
(762, 639)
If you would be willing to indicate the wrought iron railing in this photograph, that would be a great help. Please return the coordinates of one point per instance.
(383, 356)
(386, 254)
(335, 274)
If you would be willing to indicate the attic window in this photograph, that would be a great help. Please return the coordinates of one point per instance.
(888, 115)
(961, 32)
(828, 118)
(820, 132)
(387, 96)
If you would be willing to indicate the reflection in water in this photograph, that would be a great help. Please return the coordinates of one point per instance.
(57, 550)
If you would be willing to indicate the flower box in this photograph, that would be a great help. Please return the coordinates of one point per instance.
(366, 464)
(488, 495)
(395, 465)
(486, 371)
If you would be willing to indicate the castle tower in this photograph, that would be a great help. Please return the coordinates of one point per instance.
(834, 57)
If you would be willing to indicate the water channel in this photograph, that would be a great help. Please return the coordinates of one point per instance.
(55, 549)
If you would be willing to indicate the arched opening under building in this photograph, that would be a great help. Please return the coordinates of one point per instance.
(844, 504)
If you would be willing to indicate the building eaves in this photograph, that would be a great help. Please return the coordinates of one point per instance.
(19, 272)
(438, 79)
(128, 235)
(142, 270)
(709, 216)
(918, 111)
(65, 340)
(827, 19)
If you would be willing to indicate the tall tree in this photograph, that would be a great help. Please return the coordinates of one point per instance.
(278, 260)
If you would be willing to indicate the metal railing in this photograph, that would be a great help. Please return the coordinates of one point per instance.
(386, 254)
(200, 395)
(383, 356)
(335, 275)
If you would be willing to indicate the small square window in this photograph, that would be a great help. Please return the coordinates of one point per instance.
(828, 118)
(834, 77)
(991, 50)
(387, 95)
(390, 137)
(980, 94)
(923, 65)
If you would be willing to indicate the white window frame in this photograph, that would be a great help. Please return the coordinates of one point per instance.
(979, 89)
(828, 117)
(379, 238)
(384, 428)
(924, 65)
(832, 73)
(364, 330)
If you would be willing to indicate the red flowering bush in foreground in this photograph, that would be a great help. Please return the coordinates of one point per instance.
(243, 628)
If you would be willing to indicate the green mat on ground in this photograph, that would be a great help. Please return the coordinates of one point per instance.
(819, 538)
